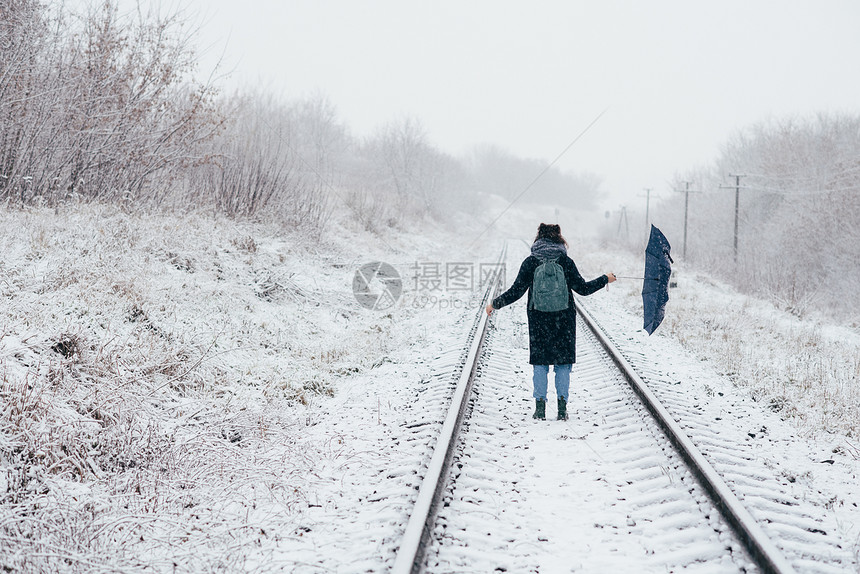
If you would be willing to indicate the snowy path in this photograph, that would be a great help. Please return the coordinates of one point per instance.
(599, 492)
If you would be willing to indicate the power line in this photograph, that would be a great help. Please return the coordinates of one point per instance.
(777, 191)
(546, 169)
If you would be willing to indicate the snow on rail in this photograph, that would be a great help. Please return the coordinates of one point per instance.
(411, 551)
(758, 544)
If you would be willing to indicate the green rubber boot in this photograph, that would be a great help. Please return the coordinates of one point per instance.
(540, 409)
(562, 409)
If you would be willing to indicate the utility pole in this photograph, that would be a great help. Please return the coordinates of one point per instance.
(737, 209)
(622, 217)
(647, 210)
(686, 192)
(737, 187)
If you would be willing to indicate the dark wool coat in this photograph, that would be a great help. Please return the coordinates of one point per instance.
(552, 336)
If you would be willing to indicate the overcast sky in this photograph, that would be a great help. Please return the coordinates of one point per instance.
(676, 77)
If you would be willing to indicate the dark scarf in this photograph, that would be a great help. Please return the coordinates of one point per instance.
(545, 249)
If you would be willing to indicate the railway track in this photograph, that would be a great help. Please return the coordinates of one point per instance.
(620, 487)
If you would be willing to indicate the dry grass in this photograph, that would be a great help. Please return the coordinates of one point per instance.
(153, 399)
(802, 368)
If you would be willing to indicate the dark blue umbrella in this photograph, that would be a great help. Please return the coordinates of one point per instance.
(655, 287)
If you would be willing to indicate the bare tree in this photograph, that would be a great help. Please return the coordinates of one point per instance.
(98, 106)
(257, 169)
(400, 163)
(496, 171)
(320, 137)
(799, 212)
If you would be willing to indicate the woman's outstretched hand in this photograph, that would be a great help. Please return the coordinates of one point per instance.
(611, 277)
(489, 308)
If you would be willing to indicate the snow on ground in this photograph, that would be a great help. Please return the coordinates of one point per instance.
(790, 386)
(183, 394)
(189, 394)
(805, 370)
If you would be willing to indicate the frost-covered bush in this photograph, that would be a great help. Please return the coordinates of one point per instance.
(799, 214)
(98, 104)
(152, 402)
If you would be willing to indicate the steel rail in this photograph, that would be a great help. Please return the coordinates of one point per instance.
(766, 555)
(410, 555)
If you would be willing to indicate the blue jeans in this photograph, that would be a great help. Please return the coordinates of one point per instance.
(562, 380)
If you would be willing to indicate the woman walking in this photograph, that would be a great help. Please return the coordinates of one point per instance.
(549, 275)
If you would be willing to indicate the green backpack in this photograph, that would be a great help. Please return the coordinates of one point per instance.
(549, 288)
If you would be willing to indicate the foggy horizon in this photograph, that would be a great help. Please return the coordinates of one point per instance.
(675, 79)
